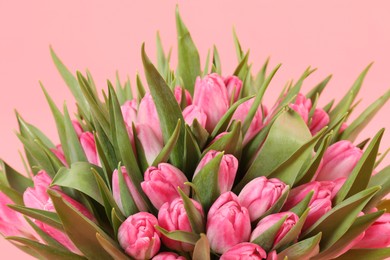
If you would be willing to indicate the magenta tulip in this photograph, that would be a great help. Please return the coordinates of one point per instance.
(319, 120)
(228, 223)
(193, 112)
(77, 127)
(272, 255)
(161, 184)
(168, 256)
(87, 141)
(271, 220)
(211, 95)
(59, 153)
(147, 114)
(173, 216)
(338, 162)
(150, 142)
(302, 106)
(138, 236)
(178, 92)
(227, 169)
(244, 251)
(233, 86)
(260, 194)
(377, 235)
(139, 202)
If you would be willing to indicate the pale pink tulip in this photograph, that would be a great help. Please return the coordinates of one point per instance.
(271, 220)
(161, 184)
(211, 95)
(139, 202)
(377, 235)
(151, 143)
(227, 169)
(178, 95)
(87, 141)
(173, 216)
(147, 114)
(260, 194)
(59, 153)
(319, 120)
(138, 236)
(233, 86)
(193, 112)
(244, 251)
(77, 127)
(168, 256)
(302, 106)
(228, 223)
(338, 162)
(129, 112)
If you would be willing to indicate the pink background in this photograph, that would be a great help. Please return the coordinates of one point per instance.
(339, 37)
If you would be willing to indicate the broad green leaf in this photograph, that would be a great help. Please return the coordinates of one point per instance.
(318, 89)
(300, 208)
(179, 235)
(267, 238)
(194, 216)
(192, 153)
(304, 249)
(55, 161)
(76, 152)
(163, 156)
(361, 174)
(26, 249)
(188, 67)
(200, 134)
(353, 130)
(127, 199)
(372, 254)
(328, 106)
(382, 179)
(14, 195)
(335, 223)
(116, 221)
(80, 230)
(242, 68)
(202, 248)
(80, 177)
(139, 150)
(167, 107)
(50, 241)
(15, 180)
(107, 157)
(113, 249)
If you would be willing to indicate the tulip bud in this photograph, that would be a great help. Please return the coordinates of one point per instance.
(233, 86)
(244, 251)
(77, 127)
(151, 143)
(147, 114)
(260, 194)
(193, 112)
(339, 160)
(228, 223)
(178, 95)
(60, 154)
(343, 127)
(138, 236)
(129, 112)
(272, 255)
(160, 184)
(173, 216)
(257, 122)
(168, 256)
(139, 202)
(227, 169)
(87, 141)
(211, 95)
(377, 235)
(271, 220)
(302, 106)
(319, 120)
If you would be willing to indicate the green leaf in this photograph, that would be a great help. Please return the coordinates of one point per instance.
(10, 177)
(304, 249)
(202, 248)
(260, 77)
(162, 61)
(113, 249)
(14, 195)
(200, 134)
(179, 235)
(372, 254)
(80, 177)
(216, 62)
(242, 69)
(80, 230)
(140, 88)
(127, 199)
(353, 130)
(194, 216)
(335, 223)
(381, 179)
(237, 44)
(48, 252)
(361, 174)
(318, 89)
(76, 152)
(167, 107)
(116, 220)
(192, 153)
(266, 239)
(206, 65)
(188, 67)
(300, 208)
(163, 156)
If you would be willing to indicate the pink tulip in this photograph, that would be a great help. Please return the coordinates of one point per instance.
(257, 122)
(77, 127)
(320, 203)
(151, 143)
(227, 169)
(160, 184)
(339, 160)
(12, 223)
(233, 86)
(59, 153)
(228, 223)
(319, 120)
(260, 194)
(178, 95)
(168, 256)
(87, 141)
(302, 106)
(343, 127)
(138, 236)
(193, 112)
(272, 255)
(147, 114)
(211, 95)
(129, 112)
(377, 235)
(271, 220)
(139, 202)
(244, 251)
(173, 216)
(37, 197)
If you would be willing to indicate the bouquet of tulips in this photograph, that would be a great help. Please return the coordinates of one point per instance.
(196, 167)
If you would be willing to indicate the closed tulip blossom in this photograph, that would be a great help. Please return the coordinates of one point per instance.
(59, 153)
(129, 112)
(77, 127)
(244, 251)
(233, 86)
(147, 114)
(168, 256)
(161, 184)
(271, 220)
(227, 169)
(338, 162)
(138, 237)
(87, 141)
(211, 95)
(260, 194)
(178, 92)
(319, 120)
(139, 202)
(173, 216)
(150, 142)
(193, 112)
(302, 106)
(228, 223)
